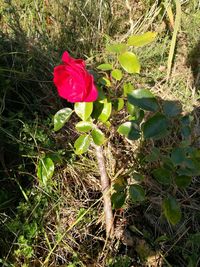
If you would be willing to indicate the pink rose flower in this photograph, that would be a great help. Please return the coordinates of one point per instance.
(73, 81)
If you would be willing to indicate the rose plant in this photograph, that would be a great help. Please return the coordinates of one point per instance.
(75, 84)
(96, 102)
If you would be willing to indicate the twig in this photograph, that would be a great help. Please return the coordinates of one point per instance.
(105, 184)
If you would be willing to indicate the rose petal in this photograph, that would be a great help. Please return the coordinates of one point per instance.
(93, 94)
(71, 61)
(60, 75)
(66, 57)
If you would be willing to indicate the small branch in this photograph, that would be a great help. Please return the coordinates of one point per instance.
(105, 185)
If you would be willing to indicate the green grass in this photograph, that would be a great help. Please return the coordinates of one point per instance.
(64, 226)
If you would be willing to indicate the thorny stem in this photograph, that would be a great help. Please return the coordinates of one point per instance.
(105, 185)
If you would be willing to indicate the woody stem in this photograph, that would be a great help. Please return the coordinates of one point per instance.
(105, 185)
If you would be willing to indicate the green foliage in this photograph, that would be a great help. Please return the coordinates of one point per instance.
(82, 144)
(105, 82)
(129, 62)
(83, 110)
(178, 155)
(119, 261)
(98, 137)
(141, 39)
(27, 226)
(128, 88)
(155, 127)
(172, 210)
(117, 74)
(106, 110)
(105, 67)
(163, 176)
(144, 99)
(183, 181)
(132, 110)
(61, 117)
(118, 199)
(130, 130)
(171, 108)
(137, 176)
(116, 48)
(45, 170)
(153, 156)
(137, 193)
(84, 126)
(118, 104)
(24, 250)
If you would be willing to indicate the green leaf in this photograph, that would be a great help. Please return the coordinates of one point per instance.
(116, 48)
(101, 96)
(194, 153)
(137, 176)
(161, 239)
(182, 181)
(105, 67)
(163, 176)
(120, 184)
(138, 115)
(144, 99)
(45, 170)
(116, 74)
(84, 126)
(186, 132)
(132, 110)
(178, 155)
(118, 104)
(118, 199)
(107, 124)
(167, 162)
(83, 109)
(106, 110)
(172, 210)
(137, 193)
(195, 171)
(129, 62)
(98, 137)
(141, 39)
(186, 120)
(153, 156)
(82, 144)
(171, 108)
(104, 81)
(155, 127)
(194, 239)
(193, 165)
(128, 88)
(61, 117)
(130, 130)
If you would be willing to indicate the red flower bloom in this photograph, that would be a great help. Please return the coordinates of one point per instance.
(73, 81)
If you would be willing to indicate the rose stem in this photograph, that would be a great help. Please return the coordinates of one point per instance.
(105, 185)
